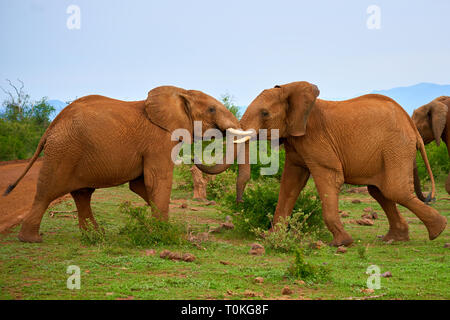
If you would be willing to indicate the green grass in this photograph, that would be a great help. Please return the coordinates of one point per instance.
(114, 268)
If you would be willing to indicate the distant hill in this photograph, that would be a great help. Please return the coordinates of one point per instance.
(412, 97)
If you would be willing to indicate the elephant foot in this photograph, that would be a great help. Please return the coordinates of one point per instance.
(436, 228)
(342, 241)
(32, 238)
(29, 233)
(397, 235)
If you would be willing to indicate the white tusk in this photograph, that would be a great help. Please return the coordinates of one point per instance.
(240, 132)
(241, 140)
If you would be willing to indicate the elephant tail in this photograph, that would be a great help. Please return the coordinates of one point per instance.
(417, 186)
(421, 148)
(30, 163)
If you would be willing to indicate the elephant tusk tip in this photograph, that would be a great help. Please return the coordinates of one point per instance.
(242, 140)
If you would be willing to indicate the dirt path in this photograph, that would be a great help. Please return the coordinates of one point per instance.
(16, 205)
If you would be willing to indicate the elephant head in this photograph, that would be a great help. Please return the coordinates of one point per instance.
(172, 108)
(430, 119)
(286, 108)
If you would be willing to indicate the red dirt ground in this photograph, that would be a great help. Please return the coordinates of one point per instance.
(17, 204)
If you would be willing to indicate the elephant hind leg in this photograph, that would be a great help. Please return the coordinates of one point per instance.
(138, 187)
(398, 228)
(29, 232)
(430, 217)
(82, 198)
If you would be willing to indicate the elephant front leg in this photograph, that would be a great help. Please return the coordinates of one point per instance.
(328, 183)
(158, 184)
(292, 183)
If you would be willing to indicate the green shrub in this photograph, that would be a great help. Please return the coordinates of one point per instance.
(439, 161)
(260, 201)
(92, 236)
(183, 178)
(142, 229)
(221, 185)
(290, 232)
(301, 269)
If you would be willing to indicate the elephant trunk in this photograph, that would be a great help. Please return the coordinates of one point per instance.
(219, 168)
(216, 169)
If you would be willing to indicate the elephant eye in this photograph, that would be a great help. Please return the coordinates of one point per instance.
(264, 113)
(212, 109)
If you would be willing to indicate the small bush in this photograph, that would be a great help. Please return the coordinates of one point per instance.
(260, 202)
(289, 233)
(183, 178)
(301, 269)
(362, 252)
(92, 236)
(142, 229)
(221, 185)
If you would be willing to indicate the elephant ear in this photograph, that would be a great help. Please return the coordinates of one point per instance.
(438, 114)
(169, 108)
(301, 98)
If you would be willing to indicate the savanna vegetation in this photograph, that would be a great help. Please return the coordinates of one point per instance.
(136, 257)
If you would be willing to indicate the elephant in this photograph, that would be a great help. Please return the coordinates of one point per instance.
(100, 142)
(369, 140)
(433, 122)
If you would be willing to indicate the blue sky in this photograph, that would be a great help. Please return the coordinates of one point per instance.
(125, 48)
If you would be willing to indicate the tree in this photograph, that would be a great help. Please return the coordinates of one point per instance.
(16, 102)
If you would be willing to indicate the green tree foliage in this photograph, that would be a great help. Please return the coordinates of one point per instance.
(22, 123)
(439, 162)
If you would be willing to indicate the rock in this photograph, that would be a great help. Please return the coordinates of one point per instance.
(216, 229)
(184, 205)
(188, 257)
(249, 293)
(387, 274)
(150, 252)
(317, 245)
(286, 291)
(447, 245)
(211, 203)
(368, 290)
(368, 209)
(256, 246)
(345, 214)
(259, 280)
(203, 236)
(164, 254)
(358, 190)
(127, 298)
(356, 201)
(227, 225)
(175, 256)
(341, 249)
(257, 249)
(365, 222)
(366, 216)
